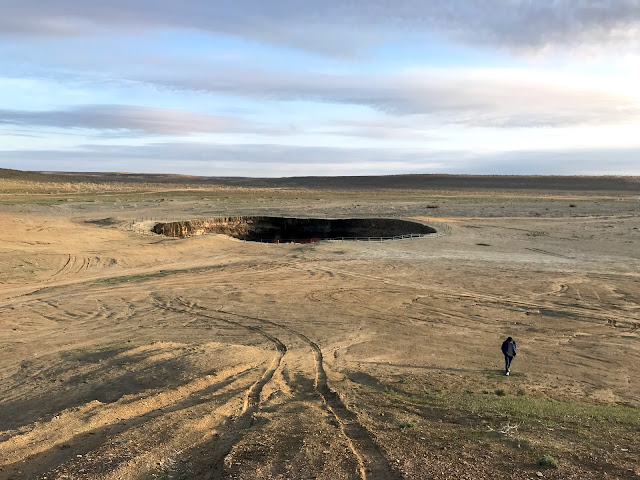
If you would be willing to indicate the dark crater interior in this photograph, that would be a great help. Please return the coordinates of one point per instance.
(297, 230)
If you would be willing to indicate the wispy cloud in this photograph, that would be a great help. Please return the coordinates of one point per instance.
(466, 96)
(340, 27)
(127, 119)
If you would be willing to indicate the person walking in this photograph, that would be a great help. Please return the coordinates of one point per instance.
(509, 351)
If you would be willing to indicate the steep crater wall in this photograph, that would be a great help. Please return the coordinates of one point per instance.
(299, 230)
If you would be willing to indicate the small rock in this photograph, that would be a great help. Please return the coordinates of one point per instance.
(539, 475)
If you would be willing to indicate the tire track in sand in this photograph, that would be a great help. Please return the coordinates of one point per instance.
(64, 266)
(252, 396)
(584, 313)
(372, 464)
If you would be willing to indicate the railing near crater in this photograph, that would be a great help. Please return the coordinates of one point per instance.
(443, 230)
(345, 239)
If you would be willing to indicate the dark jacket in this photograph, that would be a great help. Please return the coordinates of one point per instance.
(505, 347)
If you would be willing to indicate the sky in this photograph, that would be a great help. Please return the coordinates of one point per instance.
(280, 88)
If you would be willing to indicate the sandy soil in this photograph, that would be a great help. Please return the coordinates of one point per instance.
(126, 355)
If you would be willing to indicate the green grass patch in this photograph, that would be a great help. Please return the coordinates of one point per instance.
(529, 408)
(402, 424)
(526, 409)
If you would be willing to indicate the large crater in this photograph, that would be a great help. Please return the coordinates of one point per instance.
(297, 230)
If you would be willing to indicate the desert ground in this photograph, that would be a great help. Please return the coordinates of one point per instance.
(130, 355)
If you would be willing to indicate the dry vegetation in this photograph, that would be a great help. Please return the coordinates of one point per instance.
(127, 355)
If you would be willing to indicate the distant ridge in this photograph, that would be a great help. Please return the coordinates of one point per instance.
(408, 182)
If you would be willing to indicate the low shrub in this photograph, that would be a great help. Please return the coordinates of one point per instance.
(547, 461)
(406, 424)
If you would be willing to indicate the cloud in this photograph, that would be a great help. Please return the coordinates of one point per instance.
(124, 119)
(226, 160)
(345, 27)
(269, 160)
(409, 105)
(463, 96)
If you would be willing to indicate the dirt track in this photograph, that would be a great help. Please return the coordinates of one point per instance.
(131, 355)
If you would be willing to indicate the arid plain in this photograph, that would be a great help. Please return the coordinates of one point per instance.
(129, 355)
